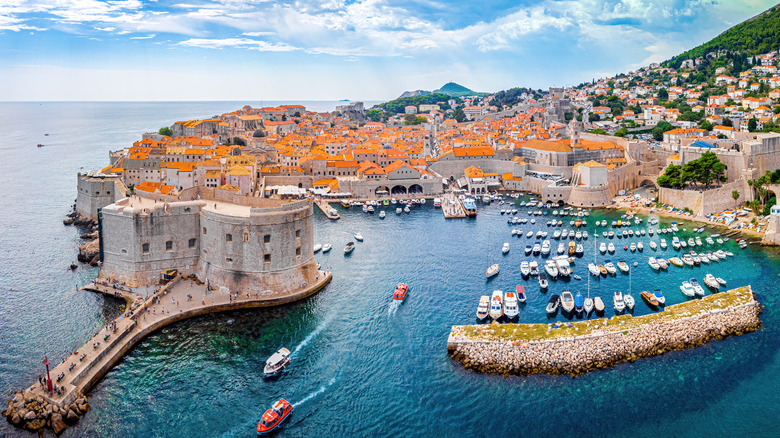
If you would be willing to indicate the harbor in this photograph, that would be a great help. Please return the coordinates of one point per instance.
(582, 346)
(327, 210)
(452, 208)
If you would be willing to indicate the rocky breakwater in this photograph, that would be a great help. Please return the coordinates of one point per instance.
(35, 414)
(595, 344)
(90, 251)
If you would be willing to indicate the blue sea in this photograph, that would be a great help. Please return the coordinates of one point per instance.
(361, 366)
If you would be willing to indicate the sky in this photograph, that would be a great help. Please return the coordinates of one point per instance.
(157, 50)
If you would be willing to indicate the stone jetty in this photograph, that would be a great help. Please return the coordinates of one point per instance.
(579, 347)
(35, 409)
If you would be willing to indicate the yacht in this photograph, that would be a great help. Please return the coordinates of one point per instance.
(510, 305)
(525, 270)
(696, 287)
(484, 308)
(617, 301)
(497, 305)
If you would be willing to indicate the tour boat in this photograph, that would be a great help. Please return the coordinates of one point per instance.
(603, 247)
(276, 363)
(552, 305)
(534, 266)
(593, 269)
(349, 248)
(696, 287)
(543, 280)
(711, 282)
(640, 246)
(610, 267)
(400, 291)
(326, 247)
(567, 301)
(611, 248)
(579, 302)
(653, 264)
(598, 305)
(358, 237)
(649, 298)
(617, 302)
(273, 417)
(623, 266)
(524, 269)
(520, 292)
(551, 268)
(492, 270)
(505, 249)
(483, 308)
(382, 214)
(687, 289)
(497, 305)
(317, 248)
(676, 261)
(510, 305)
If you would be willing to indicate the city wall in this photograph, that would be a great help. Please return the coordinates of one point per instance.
(94, 193)
(707, 201)
(454, 168)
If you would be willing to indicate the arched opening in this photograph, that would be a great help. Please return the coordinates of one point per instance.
(381, 191)
(415, 189)
(561, 203)
(399, 190)
(300, 185)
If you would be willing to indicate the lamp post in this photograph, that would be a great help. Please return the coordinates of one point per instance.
(48, 377)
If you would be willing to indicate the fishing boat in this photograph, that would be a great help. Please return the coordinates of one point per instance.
(492, 270)
(497, 305)
(525, 270)
(358, 237)
(349, 248)
(711, 282)
(276, 363)
(317, 248)
(696, 287)
(567, 301)
(275, 416)
(653, 264)
(623, 266)
(598, 305)
(649, 298)
(484, 308)
(326, 247)
(551, 268)
(543, 280)
(553, 304)
(579, 303)
(510, 306)
(520, 292)
(611, 248)
(617, 302)
(610, 267)
(505, 248)
(400, 291)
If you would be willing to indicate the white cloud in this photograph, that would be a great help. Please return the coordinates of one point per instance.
(147, 37)
(218, 43)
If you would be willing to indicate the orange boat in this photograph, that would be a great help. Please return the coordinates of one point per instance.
(603, 270)
(400, 291)
(273, 417)
(650, 298)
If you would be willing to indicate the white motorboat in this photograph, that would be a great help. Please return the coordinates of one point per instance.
(528, 249)
(632, 247)
(654, 264)
(553, 304)
(525, 270)
(534, 266)
(543, 280)
(529, 234)
(317, 248)
(611, 248)
(593, 269)
(640, 246)
(406, 209)
(598, 304)
(497, 305)
(276, 363)
(675, 242)
(398, 210)
(663, 244)
(603, 247)
(546, 247)
(557, 234)
(483, 310)
(617, 302)
(551, 268)
(510, 305)
(567, 301)
(505, 248)
(704, 259)
(720, 281)
(326, 247)
(537, 248)
(611, 234)
(711, 282)
(610, 267)
(358, 237)
(687, 289)
(623, 266)
(564, 268)
(653, 245)
(696, 287)
(561, 248)
(628, 299)
(659, 296)
(382, 214)
(349, 248)
(492, 270)
(687, 259)
(578, 235)
(662, 263)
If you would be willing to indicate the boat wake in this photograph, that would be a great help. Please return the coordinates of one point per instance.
(311, 336)
(393, 307)
(315, 393)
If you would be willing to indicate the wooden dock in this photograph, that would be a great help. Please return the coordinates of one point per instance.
(452, 207)
(326, 208)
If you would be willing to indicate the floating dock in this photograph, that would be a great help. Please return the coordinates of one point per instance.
(452, 208)
(326, 208)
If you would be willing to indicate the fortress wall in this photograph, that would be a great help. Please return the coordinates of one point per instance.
(734, 160)
(96, 193)
(763, 153)
(126, 229)
(707, 201)
(454, 168)
(556, 193)
(624, 177)
(589, 196)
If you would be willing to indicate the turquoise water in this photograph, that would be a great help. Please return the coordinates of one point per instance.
(360, 365)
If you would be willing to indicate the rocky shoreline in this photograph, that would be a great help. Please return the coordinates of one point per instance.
(89, 253)
(35, 414)
(578, 355)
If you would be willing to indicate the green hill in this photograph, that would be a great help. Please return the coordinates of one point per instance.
(453, 89)
(397, 106)
(757, 35)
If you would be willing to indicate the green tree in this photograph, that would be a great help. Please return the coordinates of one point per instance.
(735, 196)
(622, 132)
(459, 115)
(727, 122)
(374, 115)
(165, 131)
(239, 141)
(752, 124)
(706, 125)
(663, 94)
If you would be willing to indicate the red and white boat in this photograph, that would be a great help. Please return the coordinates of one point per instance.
(400, 291)
(273, 417)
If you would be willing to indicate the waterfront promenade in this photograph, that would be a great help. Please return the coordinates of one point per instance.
(180, 299)
(452, 208)
(326, 208)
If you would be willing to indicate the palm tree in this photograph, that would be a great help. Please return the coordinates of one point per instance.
(735, 195)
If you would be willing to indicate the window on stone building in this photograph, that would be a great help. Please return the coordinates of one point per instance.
(298, 251)
(191, 243)
(204, 231)
(246, 236)
(169, 245)
(267, 258)
(267, 238)
(228, 259)
(297, 233)
(145, 248)
(228, 237)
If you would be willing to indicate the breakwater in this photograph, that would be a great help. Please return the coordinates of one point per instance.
(580, 347)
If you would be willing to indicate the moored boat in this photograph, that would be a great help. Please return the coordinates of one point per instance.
(317, 248)
(492, 270)
(696, 287)
(505, 248)
(543, 281)
(553, 304)
(525, 270)
(623, 266)
(567, 301)
(617, 301)
(676, 261)
(711, 282)
(598, 305)
(659, 296)
(326, 247)
(349, 248)
(510, 305)
(520, 292)
(649, 298)
(358, 237)
(497, 305)
(484, 307)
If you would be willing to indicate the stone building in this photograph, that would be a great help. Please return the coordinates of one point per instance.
(95, 191)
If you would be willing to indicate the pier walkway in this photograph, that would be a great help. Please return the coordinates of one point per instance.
(452, 208)
(180, 299)
(326, 208)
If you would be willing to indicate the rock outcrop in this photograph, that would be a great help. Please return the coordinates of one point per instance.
(34, 413)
